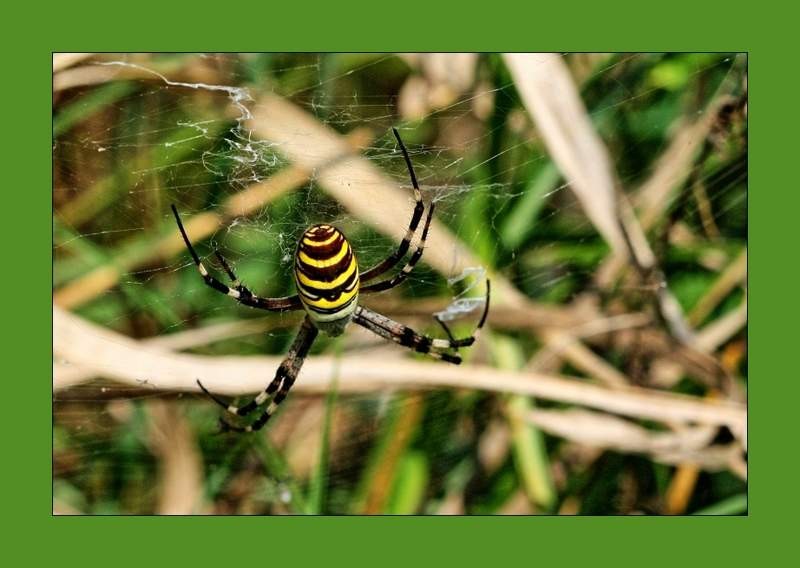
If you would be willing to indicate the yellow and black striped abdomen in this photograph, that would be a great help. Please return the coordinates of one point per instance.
(326, 273)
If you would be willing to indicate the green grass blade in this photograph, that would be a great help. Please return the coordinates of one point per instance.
(735, 505)
(530, 455)
(411, 483)
(87, 105)
(520, 222)
(398, 429)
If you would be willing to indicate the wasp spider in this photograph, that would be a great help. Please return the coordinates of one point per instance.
(328, 282)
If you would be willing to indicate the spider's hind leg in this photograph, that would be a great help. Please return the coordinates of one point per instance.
(444, 349)
(279, 386)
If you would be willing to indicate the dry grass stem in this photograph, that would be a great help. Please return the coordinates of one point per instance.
(687, 444)
(566, 346)
(83, 344)
(672, 169)
(674, 166)
(731, 277)
(207, 335)
(718, 332)
(681, 488)
(63, 60)
(552, 98)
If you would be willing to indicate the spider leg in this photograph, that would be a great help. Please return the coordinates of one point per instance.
(244, 293)
(270, 410)
(409, 266)
(234, 279)
(238, 292)
(284, 378)
(447, 331)
(390, 261)
(407, 337)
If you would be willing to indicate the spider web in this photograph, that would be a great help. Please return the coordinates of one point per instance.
(134, 133)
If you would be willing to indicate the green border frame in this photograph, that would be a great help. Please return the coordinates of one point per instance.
(378, 26)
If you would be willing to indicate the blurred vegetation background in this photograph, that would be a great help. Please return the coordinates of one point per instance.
(600, 385)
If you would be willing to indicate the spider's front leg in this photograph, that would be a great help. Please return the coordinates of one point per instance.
(238, 292)
(284, 379)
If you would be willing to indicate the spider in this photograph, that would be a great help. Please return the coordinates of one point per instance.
(328, 283)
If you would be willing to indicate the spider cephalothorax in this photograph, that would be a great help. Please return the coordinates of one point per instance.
(328, 285)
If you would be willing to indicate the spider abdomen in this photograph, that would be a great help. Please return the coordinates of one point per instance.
(326, 274)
